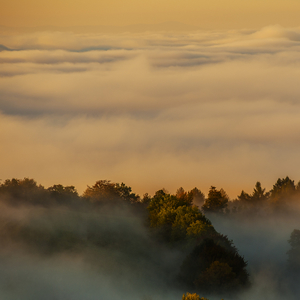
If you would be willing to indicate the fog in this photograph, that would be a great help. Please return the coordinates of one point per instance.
(153, 109)
(82, 253)
(130, 106)
(263, 241)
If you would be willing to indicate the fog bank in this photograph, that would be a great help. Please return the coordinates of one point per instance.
(220, 106)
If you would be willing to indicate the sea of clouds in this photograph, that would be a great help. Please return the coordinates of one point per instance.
(152, 109)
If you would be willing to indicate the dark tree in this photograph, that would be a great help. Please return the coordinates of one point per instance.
(105, 190)
(216, 201)
(175, 218)
(23, 191)
(294, 252)
(146, 199)
(101, 190)
(253, 203)
(214, 266)
(125, 192)
(282, 189)
(197, 196)
(63, 194)
(259, 194)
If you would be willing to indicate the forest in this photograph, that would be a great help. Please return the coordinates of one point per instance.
(110, 243)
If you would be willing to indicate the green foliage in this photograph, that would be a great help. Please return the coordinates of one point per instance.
(176, 217)
(216, 201)
(189, 296)
(189, 222)
(198, 229)
(214, 264)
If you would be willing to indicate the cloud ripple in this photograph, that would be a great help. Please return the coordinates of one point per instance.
(151, 109)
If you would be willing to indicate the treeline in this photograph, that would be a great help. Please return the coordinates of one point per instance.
(284, 194)
(27, 191)
(102, 218)
(282, 198)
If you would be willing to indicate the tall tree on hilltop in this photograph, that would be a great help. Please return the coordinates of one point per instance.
(259, 195)
(198, 197)
(104, 190)
(216, 201)
(63, 194)
(282, 189)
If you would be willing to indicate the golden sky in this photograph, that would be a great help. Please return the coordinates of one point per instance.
(205, 14)
(162, 109)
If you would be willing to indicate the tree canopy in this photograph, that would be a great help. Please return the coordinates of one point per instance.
(105, 190)
(181, 221)
(216, 201)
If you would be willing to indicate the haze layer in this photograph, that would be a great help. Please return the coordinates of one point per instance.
(180, 109)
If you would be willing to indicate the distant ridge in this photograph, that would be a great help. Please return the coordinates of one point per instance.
(135, 28)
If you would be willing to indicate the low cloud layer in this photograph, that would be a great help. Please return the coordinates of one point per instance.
(111, 255)
(151, 109)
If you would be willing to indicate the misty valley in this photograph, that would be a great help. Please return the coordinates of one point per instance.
(145, 148)
(110, 243)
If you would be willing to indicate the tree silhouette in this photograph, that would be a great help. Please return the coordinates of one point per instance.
(105, 190)
(216, 201)
(23, 191)
(214, 266)
(294, 252)
(282, 189)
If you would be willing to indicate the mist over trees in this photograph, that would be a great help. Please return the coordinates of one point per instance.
(282, 198)
(294, 252)
(166, 244)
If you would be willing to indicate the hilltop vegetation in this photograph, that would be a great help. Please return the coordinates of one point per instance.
(140, 232)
